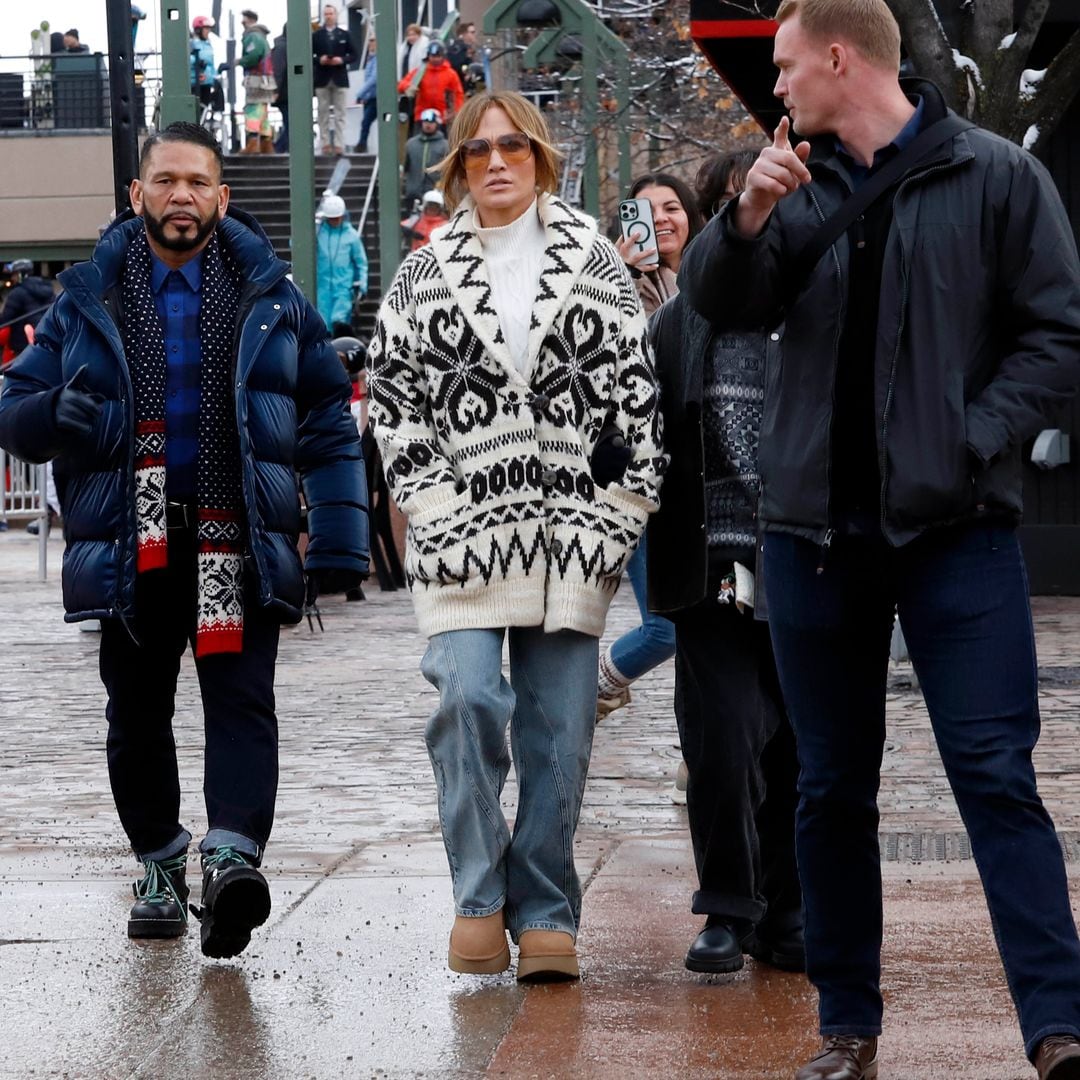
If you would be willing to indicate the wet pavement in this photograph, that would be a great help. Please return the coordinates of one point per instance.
(348, 978)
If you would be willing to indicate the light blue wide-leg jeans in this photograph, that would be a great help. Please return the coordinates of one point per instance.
(549, 704)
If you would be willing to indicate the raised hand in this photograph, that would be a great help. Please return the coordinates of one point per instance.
(635, 258)
(778, 171)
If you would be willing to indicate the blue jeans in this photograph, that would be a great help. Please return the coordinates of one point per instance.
(549, 704)
(962, 597)
(650, 644)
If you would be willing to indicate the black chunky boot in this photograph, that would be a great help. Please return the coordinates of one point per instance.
(160, 908)
(235, 899)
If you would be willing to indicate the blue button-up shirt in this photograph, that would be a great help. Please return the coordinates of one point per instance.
(176, 295)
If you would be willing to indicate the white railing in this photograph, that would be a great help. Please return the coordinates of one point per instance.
(22, 495)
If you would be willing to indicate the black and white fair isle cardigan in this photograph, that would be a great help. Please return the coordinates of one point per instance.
(491, 468)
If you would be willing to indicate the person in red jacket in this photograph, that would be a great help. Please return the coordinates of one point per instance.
(418, 227)
(438, 88)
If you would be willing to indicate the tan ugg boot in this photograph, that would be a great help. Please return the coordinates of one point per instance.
(546, 956)
(252, 145)
(478, 945)
(266, 144)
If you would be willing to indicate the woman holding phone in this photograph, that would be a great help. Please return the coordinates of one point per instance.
(500, 351)
(676, 221)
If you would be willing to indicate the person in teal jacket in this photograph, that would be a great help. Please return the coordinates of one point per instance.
(342, 266)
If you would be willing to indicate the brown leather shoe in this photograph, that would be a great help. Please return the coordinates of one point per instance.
(1058, 1058)
(842, 1057)
(546, 956)
(478, 945)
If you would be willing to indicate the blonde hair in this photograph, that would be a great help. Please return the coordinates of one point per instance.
(524, 115)
(869, 25)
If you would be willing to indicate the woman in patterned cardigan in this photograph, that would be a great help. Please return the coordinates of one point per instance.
(501, 350)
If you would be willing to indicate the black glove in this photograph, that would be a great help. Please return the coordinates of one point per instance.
(331, 580)
(611, 456)
(223, 66)
(76, 409)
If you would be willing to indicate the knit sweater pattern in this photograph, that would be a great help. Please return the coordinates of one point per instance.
(491, 464)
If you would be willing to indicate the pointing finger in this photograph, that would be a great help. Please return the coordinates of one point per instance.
(780, 135)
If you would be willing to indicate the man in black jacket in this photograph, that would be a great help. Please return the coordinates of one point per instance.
(333, 53)
(25, 303)
(917, 356)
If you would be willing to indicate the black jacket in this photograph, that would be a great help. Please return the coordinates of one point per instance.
(279, 58)
(677, 549)
(978, 332)
(336, 42)
(26, 303)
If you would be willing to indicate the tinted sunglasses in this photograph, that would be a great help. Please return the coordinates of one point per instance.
(513, 148)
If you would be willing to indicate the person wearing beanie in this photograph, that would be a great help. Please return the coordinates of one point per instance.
(423, 152)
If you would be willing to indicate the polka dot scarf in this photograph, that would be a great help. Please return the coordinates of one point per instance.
(220, 599)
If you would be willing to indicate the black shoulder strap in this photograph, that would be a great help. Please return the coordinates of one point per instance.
(834, 227)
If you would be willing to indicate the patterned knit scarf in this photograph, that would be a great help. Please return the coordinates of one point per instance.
(220, 604)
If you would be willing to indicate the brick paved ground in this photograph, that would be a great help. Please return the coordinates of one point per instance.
(348, 978)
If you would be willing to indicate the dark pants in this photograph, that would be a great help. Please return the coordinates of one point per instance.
(962, 597)
(740, 754)
(370, 112)
(241, 760)
(281, 143)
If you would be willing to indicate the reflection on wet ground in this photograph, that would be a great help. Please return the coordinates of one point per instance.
(349, 977)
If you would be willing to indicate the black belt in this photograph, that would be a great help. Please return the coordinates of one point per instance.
(181, 515)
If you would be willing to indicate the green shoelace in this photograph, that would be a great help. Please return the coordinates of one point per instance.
(157, 885)
(223, 856)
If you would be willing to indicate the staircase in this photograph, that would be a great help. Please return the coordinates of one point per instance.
(259, 184)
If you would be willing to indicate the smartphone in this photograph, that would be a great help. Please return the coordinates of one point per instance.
(636, 223)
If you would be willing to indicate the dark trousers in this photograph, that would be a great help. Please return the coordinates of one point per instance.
(370, 113)
(241, 758)
(740, 755)
(962, 597)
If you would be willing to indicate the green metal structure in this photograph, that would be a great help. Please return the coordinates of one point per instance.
(598, 44)
(613, 51)
(177, 101)
(301, 147)
(386, 38)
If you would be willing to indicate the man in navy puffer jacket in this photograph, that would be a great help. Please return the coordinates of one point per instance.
(184, 382)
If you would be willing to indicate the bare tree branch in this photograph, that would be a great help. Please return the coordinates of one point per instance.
(929, 48)
(1057, 91)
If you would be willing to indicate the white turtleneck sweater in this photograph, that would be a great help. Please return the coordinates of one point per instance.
(513, 254)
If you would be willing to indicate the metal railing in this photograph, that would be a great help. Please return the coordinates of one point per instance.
(23, 495)
(70, 91)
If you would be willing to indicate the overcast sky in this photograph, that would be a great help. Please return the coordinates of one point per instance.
(88, 17)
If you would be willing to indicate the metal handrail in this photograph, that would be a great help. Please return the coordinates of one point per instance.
(22, 494)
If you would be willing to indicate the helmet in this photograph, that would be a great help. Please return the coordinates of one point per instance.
(431, 115)
(353, 351)
(333, 206)
(21, 266)
(433, 197)
(200, 21)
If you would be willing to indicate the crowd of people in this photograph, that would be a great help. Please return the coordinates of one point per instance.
(762, 417)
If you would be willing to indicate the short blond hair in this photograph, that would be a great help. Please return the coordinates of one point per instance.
(524, 115)
(869, 25)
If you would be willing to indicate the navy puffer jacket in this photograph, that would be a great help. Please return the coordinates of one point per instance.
(292, 407)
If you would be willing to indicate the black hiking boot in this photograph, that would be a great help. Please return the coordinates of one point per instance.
(235, 899)
(160, 909)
